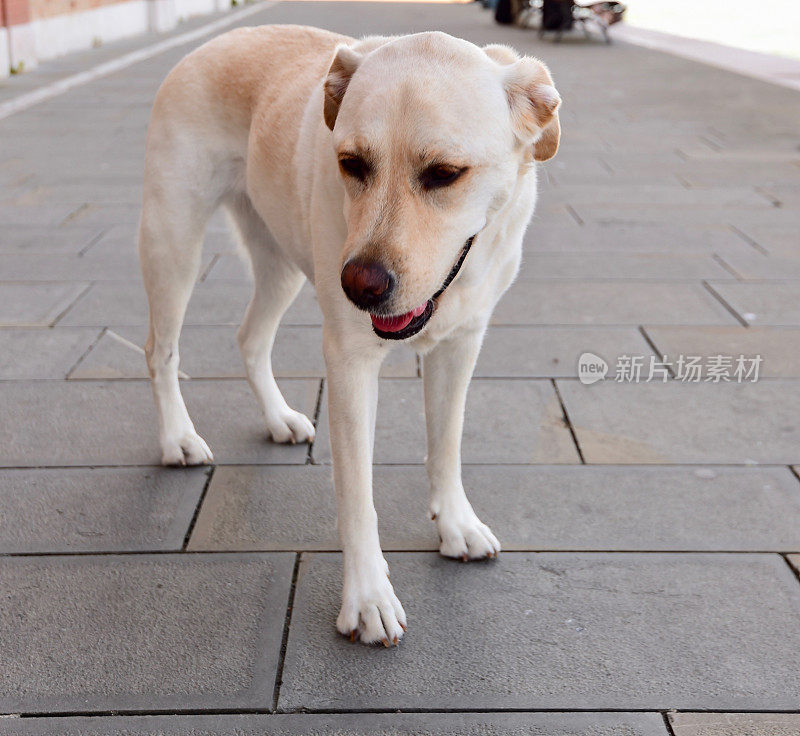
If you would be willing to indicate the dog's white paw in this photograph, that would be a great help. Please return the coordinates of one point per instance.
(289, 426)
(464, 536)
(188, 448)
(371, 612)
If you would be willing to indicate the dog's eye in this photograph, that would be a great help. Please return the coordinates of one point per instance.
(354, 166)
(440, 175)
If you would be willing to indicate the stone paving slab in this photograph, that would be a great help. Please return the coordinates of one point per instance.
(515, 421)
(373, 724)
(43, 353)
(69, 267)
(634, 195)
(778, 346)
(553, 352)
(735, 724)
(699, 214)
(114, 423)
(763, 303)
(36, 304)
(123, 239)
(213, 352)
(16, 214)
(76, 193)
(609, 303)
(677, 422)
(22, 239)
(668, 239)
(528, 508)
(106, 632)
(753, 266)
(212, 303)
(621, 631)
(97, 509)
(634, 266)
(711, 173)
(775, 239)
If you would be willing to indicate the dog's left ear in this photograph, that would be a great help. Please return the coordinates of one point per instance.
(534, 104)
(344, 64)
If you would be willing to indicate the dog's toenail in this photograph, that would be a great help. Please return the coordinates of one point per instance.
(434, 517)
(464, 557)
(395, 640)
(385, 642)
(403, 627)
(353, 634)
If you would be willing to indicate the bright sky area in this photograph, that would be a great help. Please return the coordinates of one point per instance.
(769, 26)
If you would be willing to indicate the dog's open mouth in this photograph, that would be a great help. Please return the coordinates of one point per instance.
(403, 326)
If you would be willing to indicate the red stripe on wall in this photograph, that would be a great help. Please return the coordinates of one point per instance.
(15, 12)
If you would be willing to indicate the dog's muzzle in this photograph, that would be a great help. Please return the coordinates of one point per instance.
(403, 326)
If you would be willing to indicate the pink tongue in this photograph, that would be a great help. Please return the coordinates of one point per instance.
(398, 321)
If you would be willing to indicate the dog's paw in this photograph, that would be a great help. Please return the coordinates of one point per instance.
(289, 426)
(371, 612)
(187, 449)
(464, 536)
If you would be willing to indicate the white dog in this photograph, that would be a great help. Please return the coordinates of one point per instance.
(398, 176)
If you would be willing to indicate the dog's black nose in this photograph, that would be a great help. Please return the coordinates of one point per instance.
(366, 283)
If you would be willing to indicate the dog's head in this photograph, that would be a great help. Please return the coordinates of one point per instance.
(431, 134)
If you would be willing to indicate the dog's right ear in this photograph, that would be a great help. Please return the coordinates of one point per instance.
(344, 65)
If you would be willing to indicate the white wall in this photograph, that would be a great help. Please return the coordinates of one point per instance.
(48, 38)
(4, 57)
(22, 47)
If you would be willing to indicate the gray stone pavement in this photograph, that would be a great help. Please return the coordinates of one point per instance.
(651, 530)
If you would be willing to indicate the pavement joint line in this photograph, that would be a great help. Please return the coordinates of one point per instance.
(712, 144)
(375, 711)
(66, 309)
(711, 290)
(795, 571)
(655, 349)
(285, 637)
(86, 352)
(208, 268)
(605, 165)
(567, 421)
(54, 89)
(467, 464)
(773, 200)
(93, 241)
(667, 724)
(392, 550)
(79, 210)
(747, 239)
(724, 264)
(575, 216)
(196, 514)
(315, 421)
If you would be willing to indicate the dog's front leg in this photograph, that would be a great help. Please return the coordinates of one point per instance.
(447, 370)
(370, 609)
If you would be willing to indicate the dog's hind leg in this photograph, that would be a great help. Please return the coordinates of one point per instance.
(170, 245)
(277, 282)
(446, 372)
